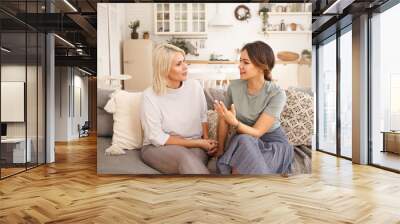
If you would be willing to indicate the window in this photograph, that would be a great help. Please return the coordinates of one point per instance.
(22, 65)
(385, 86)
(346, 93)
(327, 96)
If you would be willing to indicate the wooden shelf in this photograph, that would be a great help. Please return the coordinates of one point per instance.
(210, 62)
(285, 32)
(300, 62)
(203, 34)
(289, 13)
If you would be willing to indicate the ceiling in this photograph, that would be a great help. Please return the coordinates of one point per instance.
(332, 15)
(76, 26)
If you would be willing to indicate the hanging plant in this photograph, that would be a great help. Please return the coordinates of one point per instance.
(263, 13)
(306, 54)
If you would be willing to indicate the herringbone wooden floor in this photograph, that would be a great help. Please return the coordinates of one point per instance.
(69, 191)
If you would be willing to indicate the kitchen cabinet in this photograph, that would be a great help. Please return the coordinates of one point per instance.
(180, 19)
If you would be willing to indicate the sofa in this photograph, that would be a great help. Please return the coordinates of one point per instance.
(297, 121)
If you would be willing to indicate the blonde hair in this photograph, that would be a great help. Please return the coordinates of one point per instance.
(163, 55)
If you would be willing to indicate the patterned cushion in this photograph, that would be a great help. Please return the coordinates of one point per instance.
(297, 117)
(213, 94)
(213, 123)
(212, 117)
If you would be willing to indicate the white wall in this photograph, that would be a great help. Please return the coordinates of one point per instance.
(84, 84)
(80, 83)
(220, 40)
(33, 127)
(68, 80)
(62, 83)
(110, 34)
(17, 73)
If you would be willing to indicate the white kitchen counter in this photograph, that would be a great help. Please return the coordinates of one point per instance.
(211, 72)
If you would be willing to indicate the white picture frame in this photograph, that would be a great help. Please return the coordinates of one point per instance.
(12, 101)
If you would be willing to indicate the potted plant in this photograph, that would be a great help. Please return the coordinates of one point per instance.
(134, 25)
(263, 13)
(179, 43)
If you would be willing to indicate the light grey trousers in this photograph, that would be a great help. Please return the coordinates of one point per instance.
(175, 159)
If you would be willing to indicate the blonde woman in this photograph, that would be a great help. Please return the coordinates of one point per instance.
(260, 145)
(174, 117)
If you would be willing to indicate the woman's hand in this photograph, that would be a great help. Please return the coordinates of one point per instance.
(207, 144)
(228, 115)
(215, 152)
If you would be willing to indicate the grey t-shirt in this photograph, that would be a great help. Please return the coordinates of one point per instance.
(271, 99)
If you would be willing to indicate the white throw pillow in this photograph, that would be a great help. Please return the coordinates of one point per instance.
(127, 130)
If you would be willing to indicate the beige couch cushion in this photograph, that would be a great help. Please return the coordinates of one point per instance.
(127, 130)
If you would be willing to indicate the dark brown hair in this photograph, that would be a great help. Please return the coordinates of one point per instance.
(262, 56)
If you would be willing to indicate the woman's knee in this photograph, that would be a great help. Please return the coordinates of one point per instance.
(146, 152)
(189, 163)
(187, 156)
(246, 141)
(200, 154)
(244, 138)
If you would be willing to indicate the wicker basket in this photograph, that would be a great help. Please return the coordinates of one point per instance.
(288, 56)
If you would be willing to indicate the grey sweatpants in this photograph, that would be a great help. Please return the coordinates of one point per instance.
(175, 159)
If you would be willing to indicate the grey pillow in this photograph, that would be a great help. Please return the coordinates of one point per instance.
(302, 89)
(104, 119)
(103, 95)
(104, 123)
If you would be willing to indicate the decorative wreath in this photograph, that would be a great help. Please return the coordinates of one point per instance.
(242, 12)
